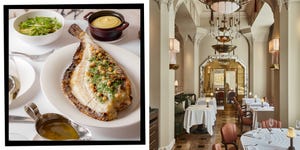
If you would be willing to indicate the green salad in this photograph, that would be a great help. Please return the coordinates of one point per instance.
(39, 26)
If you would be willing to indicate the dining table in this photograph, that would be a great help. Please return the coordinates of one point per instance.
(273, 139)
(129, 43)
(261, 113)
(211, 101)
(199, 114)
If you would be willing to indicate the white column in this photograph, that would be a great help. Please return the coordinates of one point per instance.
(293, 62)
(166, 115)
(260, 54)
(200, 34)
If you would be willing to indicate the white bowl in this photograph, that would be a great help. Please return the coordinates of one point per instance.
(42, 39)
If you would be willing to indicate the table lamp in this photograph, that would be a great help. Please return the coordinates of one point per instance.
(207, 100)
(262, 102)
(291, 135)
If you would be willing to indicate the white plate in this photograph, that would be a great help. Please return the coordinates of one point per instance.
(17, 137)
(55, 67)
(27, 79)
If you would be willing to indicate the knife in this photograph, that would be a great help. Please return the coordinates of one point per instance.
(20, 119)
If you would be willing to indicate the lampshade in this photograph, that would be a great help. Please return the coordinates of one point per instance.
(274, 45)
(174, 45)
(225, 7)
(176, 83)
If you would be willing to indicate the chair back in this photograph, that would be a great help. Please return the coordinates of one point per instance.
(216, 146)
(265, 123)
(231, 95)
(229, 133)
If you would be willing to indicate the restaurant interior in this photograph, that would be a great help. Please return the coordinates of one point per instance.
(224, 74)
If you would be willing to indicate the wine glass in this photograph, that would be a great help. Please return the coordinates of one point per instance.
(14, 83)
(271, 123)
(298, 126)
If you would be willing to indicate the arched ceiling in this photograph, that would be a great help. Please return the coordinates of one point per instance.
(187, 23)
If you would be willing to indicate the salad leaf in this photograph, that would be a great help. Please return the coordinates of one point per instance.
(39, 26)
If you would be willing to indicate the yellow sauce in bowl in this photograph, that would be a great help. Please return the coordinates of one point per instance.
(56, 130)
(106, 22)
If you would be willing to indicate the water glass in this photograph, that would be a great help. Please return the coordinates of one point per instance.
(297, 124)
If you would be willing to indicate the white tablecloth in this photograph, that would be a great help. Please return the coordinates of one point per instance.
(212, 101)
(199, 114)
(266, 141)
(130, 42)
(261, 113)
(248, 101)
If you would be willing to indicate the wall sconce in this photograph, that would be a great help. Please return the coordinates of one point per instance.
(174, 47)
(274, 45)
(176, 83)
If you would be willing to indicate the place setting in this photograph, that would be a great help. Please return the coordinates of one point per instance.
(102, 94)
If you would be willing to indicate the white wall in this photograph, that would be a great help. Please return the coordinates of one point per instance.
(205, 49)
(293, 62)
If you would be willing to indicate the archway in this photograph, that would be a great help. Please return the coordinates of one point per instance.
(223, 74)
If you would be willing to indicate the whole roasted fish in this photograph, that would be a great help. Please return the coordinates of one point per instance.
(94, 82)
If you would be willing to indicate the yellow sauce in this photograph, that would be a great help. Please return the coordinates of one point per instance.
(58, 131)
(106, 22)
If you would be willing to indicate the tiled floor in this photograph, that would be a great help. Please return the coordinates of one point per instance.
(200, 140)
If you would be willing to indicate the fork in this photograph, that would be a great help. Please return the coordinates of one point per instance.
(39, 57)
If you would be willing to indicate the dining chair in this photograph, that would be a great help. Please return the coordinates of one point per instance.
(229, 136)
(216, 146)
(231, 96)
(246, 118)
(220, 97)
(238, 106)
(265, 124)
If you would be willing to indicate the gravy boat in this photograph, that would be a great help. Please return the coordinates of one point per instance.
(44, 119)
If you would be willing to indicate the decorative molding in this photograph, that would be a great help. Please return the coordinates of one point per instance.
(216, 57)
(168, 147)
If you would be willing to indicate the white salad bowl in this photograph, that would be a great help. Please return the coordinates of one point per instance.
(41, 39)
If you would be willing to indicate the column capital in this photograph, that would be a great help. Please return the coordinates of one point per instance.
(200, 34)
(260, 34)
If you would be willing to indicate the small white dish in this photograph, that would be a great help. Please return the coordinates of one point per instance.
(42, 39)
(27, 77)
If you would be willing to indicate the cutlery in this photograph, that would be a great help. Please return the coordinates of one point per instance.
(39, 57)
(251, 145)
(20, 119)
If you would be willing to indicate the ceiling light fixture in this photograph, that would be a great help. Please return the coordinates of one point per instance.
(224, 28)
(224, 6)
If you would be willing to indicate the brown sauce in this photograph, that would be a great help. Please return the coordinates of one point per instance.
(58, 131)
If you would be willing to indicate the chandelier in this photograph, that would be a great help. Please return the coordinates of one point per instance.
(224, 28)
(224, 6)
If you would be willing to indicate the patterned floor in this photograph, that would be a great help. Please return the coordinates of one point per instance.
(199, 139)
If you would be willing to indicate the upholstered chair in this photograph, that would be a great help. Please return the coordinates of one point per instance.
(245, 118)
(216, 146)
(229, 136)
(265, 124)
